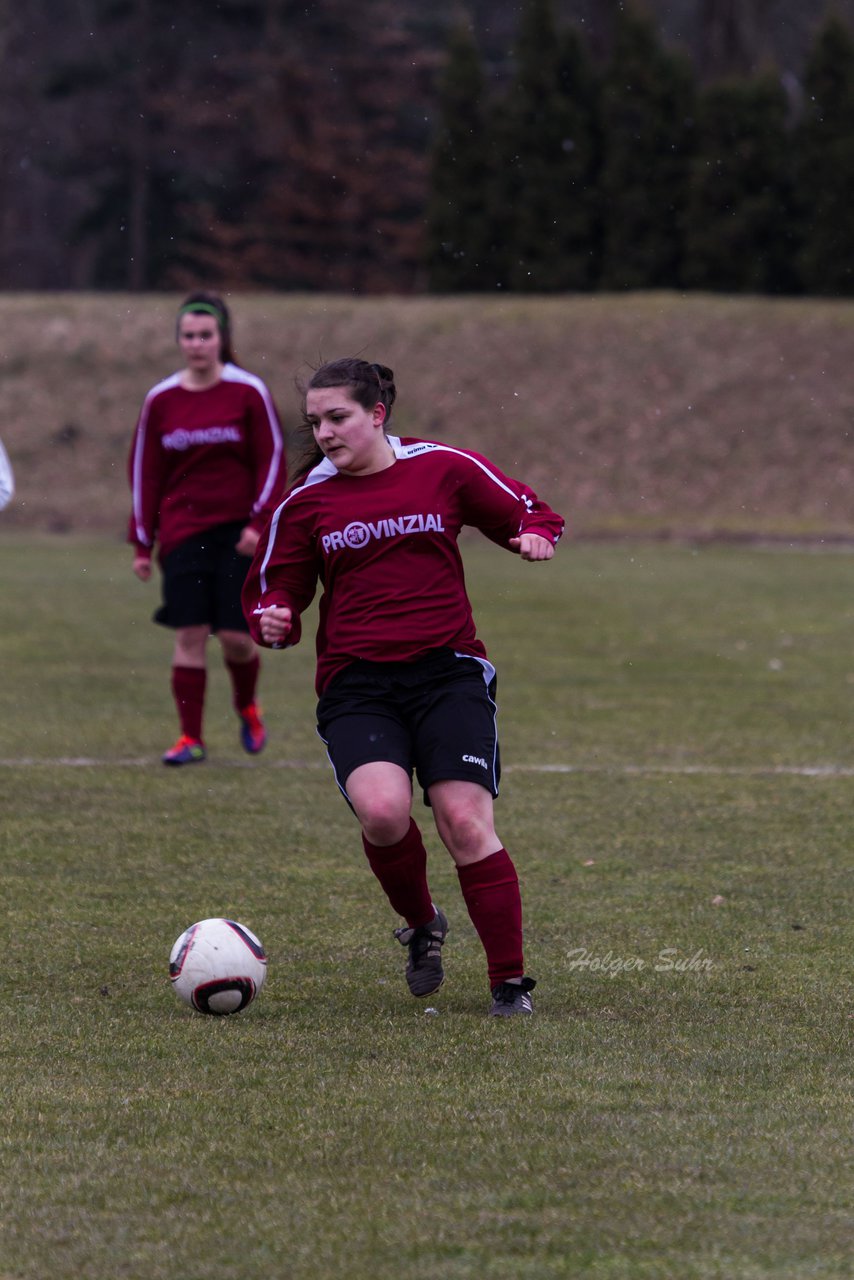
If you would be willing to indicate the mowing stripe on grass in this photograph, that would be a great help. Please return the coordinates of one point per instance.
(711, 770)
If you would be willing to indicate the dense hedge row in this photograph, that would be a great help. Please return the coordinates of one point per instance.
(632, 175)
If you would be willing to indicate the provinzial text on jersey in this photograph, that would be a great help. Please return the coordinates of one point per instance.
(184, 439)
(358, 533)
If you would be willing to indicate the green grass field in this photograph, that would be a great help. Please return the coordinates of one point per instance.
(677, 738)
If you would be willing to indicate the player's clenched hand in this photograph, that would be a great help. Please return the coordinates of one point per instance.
(142, 567)
(275, 623)
(247, 542)
(531, 546)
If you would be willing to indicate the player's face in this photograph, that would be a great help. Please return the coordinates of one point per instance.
(199, 340)
(351, 437)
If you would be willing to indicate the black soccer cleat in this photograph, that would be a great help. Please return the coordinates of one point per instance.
(424, 971)
(510, 998)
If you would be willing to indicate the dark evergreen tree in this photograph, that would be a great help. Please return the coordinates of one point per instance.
(731, 36)
(126, 186)
(647, 123)
(342, 206)
(543, 199)
(824, 144)
(581, 224)
(739, 233)
(458, 238)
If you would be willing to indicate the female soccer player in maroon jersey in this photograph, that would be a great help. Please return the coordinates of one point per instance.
(207, 467)
(403, 681)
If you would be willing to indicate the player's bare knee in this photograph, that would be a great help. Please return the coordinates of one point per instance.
(465, 835)
(236, 646)
(384, 828)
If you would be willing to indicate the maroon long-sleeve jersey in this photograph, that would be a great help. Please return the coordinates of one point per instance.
(203, 458)
(384, 547)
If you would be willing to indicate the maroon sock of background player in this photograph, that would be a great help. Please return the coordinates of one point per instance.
(401, 869)
(491, 893)
(244, 681)
(188, 689)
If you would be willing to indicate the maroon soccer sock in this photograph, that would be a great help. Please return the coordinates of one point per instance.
(244, 681)
(491, 893)
(401, 869)
(188, 689)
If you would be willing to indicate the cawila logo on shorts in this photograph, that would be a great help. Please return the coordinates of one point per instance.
(358, 533)
(475, 760)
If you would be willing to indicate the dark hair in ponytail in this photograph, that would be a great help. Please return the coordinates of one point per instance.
(210, 304)
(367, 384)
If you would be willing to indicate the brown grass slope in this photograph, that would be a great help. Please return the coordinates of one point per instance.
(645, 414)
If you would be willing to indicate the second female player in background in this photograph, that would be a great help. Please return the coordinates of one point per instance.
(207, 466)
(404, 681)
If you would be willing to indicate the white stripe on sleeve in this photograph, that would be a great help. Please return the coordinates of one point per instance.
(139, 450)
(232, 373)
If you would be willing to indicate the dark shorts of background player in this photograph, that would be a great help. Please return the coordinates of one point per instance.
(435, 715)
(202, 581)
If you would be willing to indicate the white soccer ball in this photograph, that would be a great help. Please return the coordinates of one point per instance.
(217, 966)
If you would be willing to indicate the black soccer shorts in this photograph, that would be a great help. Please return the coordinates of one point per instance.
(202, 580)
(436, 716)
